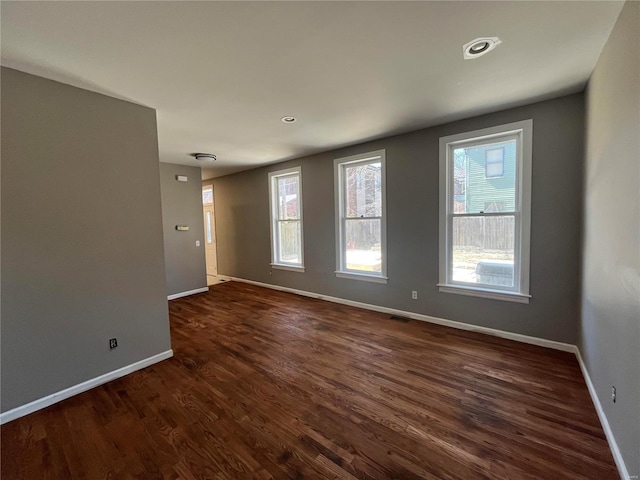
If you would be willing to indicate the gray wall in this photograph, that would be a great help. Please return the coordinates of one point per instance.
(610, 330)
(82, 253)
(242, 217)
(182, 205)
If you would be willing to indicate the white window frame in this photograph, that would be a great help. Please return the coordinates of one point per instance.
(339, 188)
(273, 209)
(523, 132)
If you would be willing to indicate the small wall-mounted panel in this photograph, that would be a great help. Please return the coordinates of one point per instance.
(182, 228)
(181, 178)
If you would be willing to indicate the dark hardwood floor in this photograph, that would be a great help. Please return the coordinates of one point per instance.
(266, 384)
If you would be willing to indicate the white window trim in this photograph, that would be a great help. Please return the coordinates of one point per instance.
(524, 131)
(361, 276)
(273, 212)
(341, 270)
(284, 266)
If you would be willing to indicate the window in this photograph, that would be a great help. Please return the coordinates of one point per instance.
(494, 163)
(485, 220)
(285, 194)
(207, 195)
(360, 217)
(208, 228)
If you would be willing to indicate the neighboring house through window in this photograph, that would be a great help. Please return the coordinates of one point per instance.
(361, 217)
(285, 195)
(485, 197)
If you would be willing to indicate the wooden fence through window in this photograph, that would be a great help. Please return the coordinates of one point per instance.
(487, 233)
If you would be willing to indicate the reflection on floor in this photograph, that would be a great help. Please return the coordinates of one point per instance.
(214, 280)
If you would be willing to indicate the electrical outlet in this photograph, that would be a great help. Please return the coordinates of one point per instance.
(414, 294)
(113, 343)
(613, 394)
(197, 243)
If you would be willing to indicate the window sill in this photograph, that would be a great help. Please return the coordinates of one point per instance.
(485, 293)
(290, 268)
(362, 276)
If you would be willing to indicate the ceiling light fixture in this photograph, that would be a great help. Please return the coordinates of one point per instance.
(288, 119)
(478, 47)
(205, 157)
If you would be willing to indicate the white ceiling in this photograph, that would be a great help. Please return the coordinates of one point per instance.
(222, 74)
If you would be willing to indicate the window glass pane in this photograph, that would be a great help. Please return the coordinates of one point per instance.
(483, 250)
(208, 227)
(459, 179)
(363, 190)
(288, 198)
(484, 175)
(207, 196)
(289, 239)
(363, 242)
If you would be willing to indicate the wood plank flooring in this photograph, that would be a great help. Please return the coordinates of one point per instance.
(269, 385)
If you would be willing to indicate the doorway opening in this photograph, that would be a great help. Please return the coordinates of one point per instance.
(210, 249)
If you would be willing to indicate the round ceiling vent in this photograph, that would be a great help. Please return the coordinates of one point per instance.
(478, 47)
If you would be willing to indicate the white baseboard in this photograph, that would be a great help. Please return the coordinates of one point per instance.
(187, 293)
(617, 456)
(565, 347)
(81, 387)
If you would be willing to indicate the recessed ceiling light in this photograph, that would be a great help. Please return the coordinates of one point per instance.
(205, 157)
(478, 47)
(288, 119)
